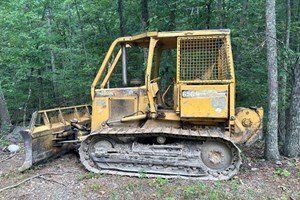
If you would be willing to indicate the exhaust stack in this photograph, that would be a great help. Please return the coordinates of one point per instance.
(124, 65)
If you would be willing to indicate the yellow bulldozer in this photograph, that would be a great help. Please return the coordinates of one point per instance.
(134, 128)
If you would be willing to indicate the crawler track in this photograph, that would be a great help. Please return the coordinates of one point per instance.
(203, 154)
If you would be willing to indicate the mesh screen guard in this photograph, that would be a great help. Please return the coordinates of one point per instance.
(203, 58)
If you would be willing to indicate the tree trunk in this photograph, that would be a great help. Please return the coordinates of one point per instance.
(82, 33)
(28, 98)
(26, 106)
(292, 144)
(52, 56)
(208, 14)
(121, 18)
(244, 18)
(221, 13)
(271, 141)
(145, 24)
(41, 89)
(144, 15)
(172, 16)
(4, 114)
(282, 113)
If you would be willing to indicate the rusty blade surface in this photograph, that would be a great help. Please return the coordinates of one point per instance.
(28, 150)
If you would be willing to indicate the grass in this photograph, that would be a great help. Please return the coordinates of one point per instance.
(131, 186)
(250, 193)
(94, 187)
(114, 195)
(235, 184)
(282, 172)
(3, 140)
(213, 191)
(191, 192)
(160, 183)
(272, 184)
(142, 173)
(213, 195)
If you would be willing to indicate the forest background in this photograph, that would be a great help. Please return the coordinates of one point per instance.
(51, 50)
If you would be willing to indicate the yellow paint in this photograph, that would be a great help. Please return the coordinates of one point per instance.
(150, 91)
(228, 56)
(204, 101)
(157, 62)
(111, 69)
(164, 94)
(199, 109)
(101, 105)
(197, 102)
(100, 109)
(134, 118)
(176, 97)
(248, 121)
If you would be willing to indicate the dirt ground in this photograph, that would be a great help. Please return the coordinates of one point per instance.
(65, 178)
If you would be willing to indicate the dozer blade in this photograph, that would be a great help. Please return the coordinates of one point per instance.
(28, 150)
(39, 148)
(50, 133)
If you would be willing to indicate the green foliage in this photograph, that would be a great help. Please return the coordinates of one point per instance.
(131, 186)
(94, 187)
(3, 140)
(282, 172)
(212, 195)
(114, 195)
(78, 33)
(283, 196)
(191, 192)
(142, 173)
(159, 184)
(212, 191)
(292, 164)
(169, 198)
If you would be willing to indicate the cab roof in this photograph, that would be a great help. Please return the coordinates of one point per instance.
(169, 39)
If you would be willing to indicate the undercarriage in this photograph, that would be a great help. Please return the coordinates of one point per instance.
(150, 153)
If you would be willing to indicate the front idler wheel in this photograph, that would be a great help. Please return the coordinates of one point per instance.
(216, 155)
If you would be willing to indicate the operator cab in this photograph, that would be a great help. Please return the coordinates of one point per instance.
(174, 76)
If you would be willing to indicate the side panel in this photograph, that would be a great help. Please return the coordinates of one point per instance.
(111, 105)
(204, 101)
(100, 111)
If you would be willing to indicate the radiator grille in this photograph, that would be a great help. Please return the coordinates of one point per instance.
(203, 58)
(120, 108)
